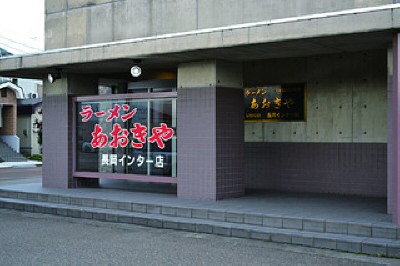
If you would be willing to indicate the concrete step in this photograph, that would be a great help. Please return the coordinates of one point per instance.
(7, 154)
(382, 230)
(372, 246)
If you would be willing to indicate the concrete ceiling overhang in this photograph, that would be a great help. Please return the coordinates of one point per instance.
(335, 32)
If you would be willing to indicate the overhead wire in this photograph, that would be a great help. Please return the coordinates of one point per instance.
(19, 43)
(9, 47)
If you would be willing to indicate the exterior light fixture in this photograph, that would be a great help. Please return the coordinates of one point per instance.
(53, 77)
(136, 71)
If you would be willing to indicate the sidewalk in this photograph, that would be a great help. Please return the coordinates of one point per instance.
(344, 223)
(27, 164)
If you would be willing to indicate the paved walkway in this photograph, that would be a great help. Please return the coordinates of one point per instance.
(323, 221)
(20, 164)
(327, 207)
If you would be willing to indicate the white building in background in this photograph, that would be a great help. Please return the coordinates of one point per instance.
(29, 116)
(29, 125)
(32, 88)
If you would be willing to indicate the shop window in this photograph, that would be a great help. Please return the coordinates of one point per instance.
(126, 136)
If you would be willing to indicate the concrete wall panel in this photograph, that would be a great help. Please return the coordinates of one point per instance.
(342, 112)
(274, 71)
(312, 115)
(84, 3)
(254, 132)
(325, 130)
(132, 19)
(53, 6)
(140, 18)
(356, 23)
(173, 16)
(77, 20)
(255, 10)
(370, 111)
(396, 18)
(197, 74)
(363, 3)
(220, 13)
(337, 92)
(100, 24)
(56, 30)
(274, 132)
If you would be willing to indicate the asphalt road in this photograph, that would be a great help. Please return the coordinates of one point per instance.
(20, 175)
(37, 239)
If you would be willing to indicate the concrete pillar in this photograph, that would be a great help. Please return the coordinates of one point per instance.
(210, 130)
(394, 140)
(390, 131)
(58, 129)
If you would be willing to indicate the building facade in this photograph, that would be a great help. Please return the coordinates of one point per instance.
(297, 96)
(9, 93)
(29, 125)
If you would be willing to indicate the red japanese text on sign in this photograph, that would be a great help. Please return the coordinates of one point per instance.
(87, 113)
(119, 137)
(139, 133)
(99, 139)
(114, 113)
(161, 134)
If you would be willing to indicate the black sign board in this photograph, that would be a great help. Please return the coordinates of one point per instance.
(278, 103)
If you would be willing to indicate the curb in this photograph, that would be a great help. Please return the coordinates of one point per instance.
(358, 244)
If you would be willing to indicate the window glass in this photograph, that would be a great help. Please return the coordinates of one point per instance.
(133, 136)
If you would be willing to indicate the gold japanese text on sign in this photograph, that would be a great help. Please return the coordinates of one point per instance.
(275, 103)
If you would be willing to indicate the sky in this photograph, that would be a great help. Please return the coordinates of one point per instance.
(22, 26)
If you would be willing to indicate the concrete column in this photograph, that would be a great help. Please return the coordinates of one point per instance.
(210, 130)
(58, 129)
(390, 131)
(394, 140)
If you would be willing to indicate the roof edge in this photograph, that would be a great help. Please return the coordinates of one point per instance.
(218, 29)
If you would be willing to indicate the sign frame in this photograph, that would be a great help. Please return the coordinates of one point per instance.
(124, 176)
(274, 120)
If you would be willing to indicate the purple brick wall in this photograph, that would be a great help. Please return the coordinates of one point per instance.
(58, 144)
(230, 143)
(196, 156)
(340, 168)
(210, 144)
(57, 168)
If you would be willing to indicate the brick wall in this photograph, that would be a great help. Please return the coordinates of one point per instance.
(9, 113)
(58, 144)
(340, 168)
(196, 171)
(56, 152)
(230, 146)
(210, 145)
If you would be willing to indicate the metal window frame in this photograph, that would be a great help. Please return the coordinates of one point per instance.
(133, 177)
